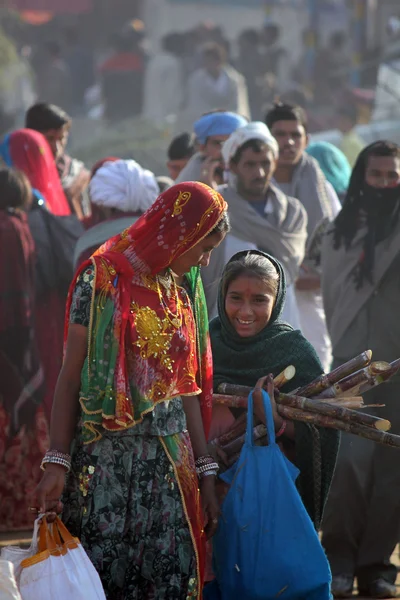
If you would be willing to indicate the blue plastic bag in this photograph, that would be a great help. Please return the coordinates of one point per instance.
(266, 546)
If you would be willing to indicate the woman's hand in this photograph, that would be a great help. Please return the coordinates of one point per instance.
(210, 505)
(259, 405)
(48, 492)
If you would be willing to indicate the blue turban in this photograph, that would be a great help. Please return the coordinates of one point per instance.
(217, 123)
(333, 163)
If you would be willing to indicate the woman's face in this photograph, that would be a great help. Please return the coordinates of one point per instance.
(249, 304)
(197, 256)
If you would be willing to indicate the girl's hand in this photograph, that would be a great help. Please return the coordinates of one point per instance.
(259, 405)
(210, 505)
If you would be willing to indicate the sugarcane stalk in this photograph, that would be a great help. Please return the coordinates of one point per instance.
(354, 402)
(241, 401)
(381, 437)
(351, 385)
(232, 389)
(325, 381)
(330, 410)
(380, 378)
(235, 445)
(231, 401)
(237, 429)
(286, 375)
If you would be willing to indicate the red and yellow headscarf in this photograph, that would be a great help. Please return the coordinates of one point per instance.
(137, 357)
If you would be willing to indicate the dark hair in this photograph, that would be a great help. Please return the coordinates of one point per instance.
(182, 146)
(251, 36)
(346, 223)
(223, 226)
(286, 112)
(173, 43)
(273, 30)
(43, 117)
(252, 265)
(15, 189)
(53, 48)
(214, 51)
(255, 144)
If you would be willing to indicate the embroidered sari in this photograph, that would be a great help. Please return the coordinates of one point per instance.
(146, 350)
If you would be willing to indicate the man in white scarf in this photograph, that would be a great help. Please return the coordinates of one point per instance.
(120, 192)
(261, 215)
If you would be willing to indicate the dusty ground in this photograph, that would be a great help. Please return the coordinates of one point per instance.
(23, 538)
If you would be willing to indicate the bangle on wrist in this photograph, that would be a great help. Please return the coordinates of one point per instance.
(281, 430)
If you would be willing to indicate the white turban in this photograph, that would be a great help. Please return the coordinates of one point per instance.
(124, 185)
(252, 131)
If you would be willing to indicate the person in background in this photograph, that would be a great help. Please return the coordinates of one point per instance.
(351, 144)
(334, 166)
(164, 183)
(121, 191)
(211, 131)
(137, 325)
(23, 427)
(261, 215)
(80, 63)
(55, 124)
(298, 175)
(54, 82)
(122, 77)
(180, 151)
(216, 85)
(163, 89)
(360, 283)
(30, 152)
(275, 59)
(250, 63)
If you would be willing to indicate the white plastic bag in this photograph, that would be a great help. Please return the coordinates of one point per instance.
(61, 570)
(16, 555)
(8, 585)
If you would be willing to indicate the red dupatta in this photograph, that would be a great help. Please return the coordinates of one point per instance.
(30, 152)
(148, 359)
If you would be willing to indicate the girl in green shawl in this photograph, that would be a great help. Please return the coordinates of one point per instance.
(250, 341)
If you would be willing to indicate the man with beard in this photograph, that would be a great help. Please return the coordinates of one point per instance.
(261, 215)
(360, 283)
(211, 131)
(300, 176)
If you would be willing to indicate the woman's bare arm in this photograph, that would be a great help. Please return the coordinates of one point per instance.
(65, 409)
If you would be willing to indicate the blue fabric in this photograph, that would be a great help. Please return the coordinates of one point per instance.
(5, 150)
(266, 546)
(333, 163)
(218, 123)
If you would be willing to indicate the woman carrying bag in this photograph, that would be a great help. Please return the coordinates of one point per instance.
(133, 402)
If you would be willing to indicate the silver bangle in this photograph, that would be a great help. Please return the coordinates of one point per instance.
(56, 458)
(210, 473)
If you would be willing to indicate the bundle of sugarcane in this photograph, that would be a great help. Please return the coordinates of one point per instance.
(325, 402)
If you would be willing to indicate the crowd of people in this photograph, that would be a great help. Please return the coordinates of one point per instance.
(288, 248)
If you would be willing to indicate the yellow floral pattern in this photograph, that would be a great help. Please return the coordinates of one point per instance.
(154, 339)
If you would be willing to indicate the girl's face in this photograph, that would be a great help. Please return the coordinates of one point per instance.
(249, 304)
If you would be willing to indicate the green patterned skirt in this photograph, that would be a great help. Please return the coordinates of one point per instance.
(123, 502)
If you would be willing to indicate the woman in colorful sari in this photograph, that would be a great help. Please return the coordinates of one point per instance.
(23, 428)
(137, 383)
(249, 341)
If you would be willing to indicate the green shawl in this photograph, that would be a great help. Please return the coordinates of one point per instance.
(244, 360)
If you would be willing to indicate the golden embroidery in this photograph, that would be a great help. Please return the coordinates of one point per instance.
(154, 339)
(180, 202)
